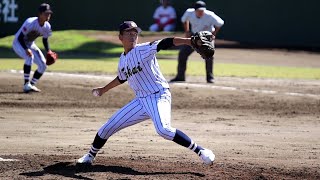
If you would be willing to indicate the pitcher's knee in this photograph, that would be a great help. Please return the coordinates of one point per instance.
(104, 133)
(42, 68)
(167, 133)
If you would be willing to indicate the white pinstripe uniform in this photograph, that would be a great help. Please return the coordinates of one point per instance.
(153, 98)
(139, 66)
(32, 30)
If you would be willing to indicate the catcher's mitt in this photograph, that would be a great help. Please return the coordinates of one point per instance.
(203, 43)
(51, 57)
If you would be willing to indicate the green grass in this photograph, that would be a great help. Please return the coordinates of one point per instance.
(60, 41)
(79, 52)
(168, 67)
(77, 44)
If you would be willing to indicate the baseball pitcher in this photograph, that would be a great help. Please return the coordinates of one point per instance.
(139, 66)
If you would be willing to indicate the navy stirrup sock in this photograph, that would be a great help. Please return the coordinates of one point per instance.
(97, 144)
(184, 140)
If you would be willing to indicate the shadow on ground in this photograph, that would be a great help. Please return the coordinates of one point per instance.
(90, 50)
(69, 169)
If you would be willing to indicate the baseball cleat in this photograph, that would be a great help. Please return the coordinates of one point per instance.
(207, 156)
(30, 88)
(176, 79)
(86, 159)
(210, 81)
(35, 89)
(27, 87)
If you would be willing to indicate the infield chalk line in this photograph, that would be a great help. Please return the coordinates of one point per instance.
(1, 159)
(89, 76)
(247, 90)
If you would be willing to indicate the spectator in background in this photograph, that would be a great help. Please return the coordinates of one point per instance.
(164, 18)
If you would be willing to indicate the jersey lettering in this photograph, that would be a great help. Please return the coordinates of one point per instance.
(130, 72)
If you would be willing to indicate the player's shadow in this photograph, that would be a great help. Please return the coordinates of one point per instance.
(14, 92)
(90, 50)
(69, 169)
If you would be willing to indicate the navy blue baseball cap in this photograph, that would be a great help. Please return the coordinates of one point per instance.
(127, 25)
(44, 7)
(200, 5)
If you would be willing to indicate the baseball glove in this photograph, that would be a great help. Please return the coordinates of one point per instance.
(203, 43)
(51, 57)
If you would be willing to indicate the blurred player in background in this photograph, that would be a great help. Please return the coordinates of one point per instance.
(200, 19)
(25, 47)
(164, 17)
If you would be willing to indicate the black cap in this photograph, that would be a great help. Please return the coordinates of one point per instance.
(127, 25)
(200, 5)
(44, 7)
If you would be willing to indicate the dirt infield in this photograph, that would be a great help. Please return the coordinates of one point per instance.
(254, 134)
(257, 128)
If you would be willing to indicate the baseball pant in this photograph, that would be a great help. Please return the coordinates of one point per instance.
(167, 28)
(37, 56)
(184, 53)
(156, 107)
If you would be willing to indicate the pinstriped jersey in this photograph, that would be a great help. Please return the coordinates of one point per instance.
(141, 69)
(32, 29)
